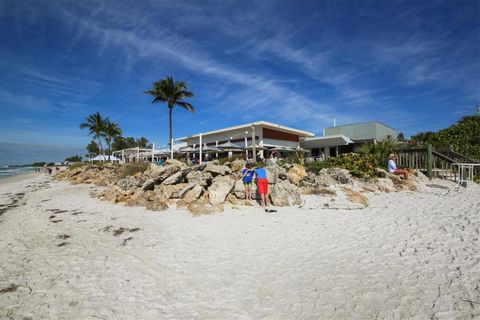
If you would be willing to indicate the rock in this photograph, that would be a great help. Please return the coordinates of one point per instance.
(234, 200)
(318, 191)
(384, 184)
(381, 173)
(175, 163)
(296, 173)
(201, 178)
(200, 208)
(239, 189)
(220, 188)
(181, 204)
(331, 176)
(238, 165)
(157, 206)
(217, 170)
(272, 174)
(178, 177)
(170, 191)
(285, 194)
(141, 199)
(192, 194)
(187, 188)
(128, 183)
(158, 175)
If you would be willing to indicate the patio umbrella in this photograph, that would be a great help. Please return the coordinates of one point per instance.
(229, 147)
(210, 149)
(189, 149)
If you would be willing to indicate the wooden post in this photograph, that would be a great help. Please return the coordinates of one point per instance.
(200, 149)
(254, 142)
(429, 161)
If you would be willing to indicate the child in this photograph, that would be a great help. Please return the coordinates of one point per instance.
(262, 185)
(247, 177)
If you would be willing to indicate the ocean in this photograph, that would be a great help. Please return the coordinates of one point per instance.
(8, 171)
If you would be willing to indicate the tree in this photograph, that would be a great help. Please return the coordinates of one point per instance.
(74, 159)
(111, 130)
(92, 148)
(401, 137)
(96, 126)
(142, 142)
(172, 93)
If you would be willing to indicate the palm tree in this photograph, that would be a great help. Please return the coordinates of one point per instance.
(96, 126)
(172, 93)
(110, 131)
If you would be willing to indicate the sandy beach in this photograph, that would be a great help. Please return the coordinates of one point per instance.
(410, 255)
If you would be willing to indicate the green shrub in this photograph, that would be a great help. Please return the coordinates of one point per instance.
(379, 151)
(134, 167)
(358, 165)
(297, 157)
(76, 165)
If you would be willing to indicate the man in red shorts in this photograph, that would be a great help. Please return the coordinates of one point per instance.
(262, 185)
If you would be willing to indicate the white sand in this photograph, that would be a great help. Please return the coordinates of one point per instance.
(410, 255)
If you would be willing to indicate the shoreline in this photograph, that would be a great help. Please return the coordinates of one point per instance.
(19, 177)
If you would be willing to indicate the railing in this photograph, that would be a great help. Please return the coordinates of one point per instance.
(437, 164)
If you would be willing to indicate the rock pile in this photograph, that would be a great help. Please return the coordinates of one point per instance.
(205, 188)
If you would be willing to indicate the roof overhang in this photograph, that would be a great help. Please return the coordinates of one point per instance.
(247, 126)
(327, 141)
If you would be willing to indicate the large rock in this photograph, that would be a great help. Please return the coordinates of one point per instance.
(178, 177)
(200, 208)
(239, 189)
(217, 170)
(128, 183)
(169, 191)
(296, 173)
(175, 163)
(285, 193)
(158, 174)
(220, 188)
(201, 178)
(332, 176)
(192, 194)
(238, 165)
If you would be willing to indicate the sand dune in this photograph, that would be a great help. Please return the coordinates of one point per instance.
(409, 255)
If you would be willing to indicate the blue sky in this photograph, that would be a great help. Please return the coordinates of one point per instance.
(414, 65)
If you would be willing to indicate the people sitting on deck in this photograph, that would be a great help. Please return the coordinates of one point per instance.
(392, 167)
(160, 162)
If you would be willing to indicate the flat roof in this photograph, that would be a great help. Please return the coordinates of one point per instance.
(264, 124)
(359, 123)
(334, 140)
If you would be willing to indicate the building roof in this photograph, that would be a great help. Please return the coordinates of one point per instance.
(264, 124)
(326, 141)
(360, 123)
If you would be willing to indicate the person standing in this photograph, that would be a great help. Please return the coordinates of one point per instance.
(247, 179)
(262, 185)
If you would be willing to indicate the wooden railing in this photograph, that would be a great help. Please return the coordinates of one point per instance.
(435, 163)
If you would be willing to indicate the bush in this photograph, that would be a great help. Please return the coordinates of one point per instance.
(133, 168)
(76, 165)
(358, 165)
(297, 157)
(379, 151)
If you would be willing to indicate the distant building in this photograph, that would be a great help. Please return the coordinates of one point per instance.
(342, 139)
(270, 136)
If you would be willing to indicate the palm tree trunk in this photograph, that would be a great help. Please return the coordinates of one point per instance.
(100, 144)
(170, 125)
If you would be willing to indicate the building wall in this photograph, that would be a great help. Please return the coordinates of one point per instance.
(263, 136)
(362, 131)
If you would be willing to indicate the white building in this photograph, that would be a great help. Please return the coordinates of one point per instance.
(266, 135)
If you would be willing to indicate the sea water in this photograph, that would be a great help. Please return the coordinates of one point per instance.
(8, 171)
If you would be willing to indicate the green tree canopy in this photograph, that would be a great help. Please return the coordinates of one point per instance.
(95, 124)
(463, 137)
(172, 93)
(74, 159)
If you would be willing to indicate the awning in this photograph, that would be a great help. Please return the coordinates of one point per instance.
(327, 141)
